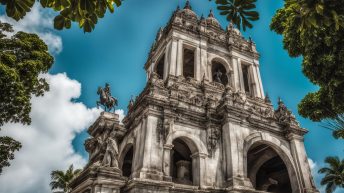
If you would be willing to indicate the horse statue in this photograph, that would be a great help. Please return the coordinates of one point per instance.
(106, 100)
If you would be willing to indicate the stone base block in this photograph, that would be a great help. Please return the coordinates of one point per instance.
(238, 184)
(98, 180)
(146, 186)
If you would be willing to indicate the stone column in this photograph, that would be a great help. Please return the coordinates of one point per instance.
(259, 83)
(236, 82)
(241, 78)
(167, 162)
(233, 150)
(301, 162)
(173, 59)
(152, 152)
(199, 167)
(180, 53)
(167, 61)
(204, 63)
(197, 64)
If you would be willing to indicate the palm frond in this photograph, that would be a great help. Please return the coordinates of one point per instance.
(239, 12)
(336, 125)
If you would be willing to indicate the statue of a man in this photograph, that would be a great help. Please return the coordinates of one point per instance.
(218, 75)
(107, 90)
(111, 153)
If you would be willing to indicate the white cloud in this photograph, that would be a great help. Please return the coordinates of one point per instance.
(312, 164)
(38, 21)
(47, 142)
(121, 114)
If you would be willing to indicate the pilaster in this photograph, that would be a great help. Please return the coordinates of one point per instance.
(233, 149)
(173, 57)
(298, 152)
(152, 155)
(179, 70)
(198, 75)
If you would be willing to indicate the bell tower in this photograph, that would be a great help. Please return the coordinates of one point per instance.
(199, 49)
(201, 124)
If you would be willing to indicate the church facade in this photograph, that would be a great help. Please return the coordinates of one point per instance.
(201, 124)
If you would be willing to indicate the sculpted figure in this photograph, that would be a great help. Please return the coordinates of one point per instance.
(109, 102)
(218, 75)
(111, 153)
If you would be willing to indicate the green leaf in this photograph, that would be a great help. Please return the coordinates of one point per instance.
(110, 6)
(87, 5)
(17, 9)
(118, 2)
(59, 22)
(319, 8)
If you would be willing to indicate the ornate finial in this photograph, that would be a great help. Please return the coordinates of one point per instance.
(250, 39)
(211, 14)
(267, 98)
(280, 101)
(187, 5)
(284, 115)
(109, 102)
(230, 26)
(131, 102)
(178, 8)
(202, 17)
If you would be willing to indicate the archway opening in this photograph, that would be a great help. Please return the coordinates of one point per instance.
(128, 162)
(181, 167)
(219, 73)
(266, 170)
(189, 63)
(159, 69)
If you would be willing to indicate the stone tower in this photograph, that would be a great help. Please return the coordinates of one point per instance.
(201, 124)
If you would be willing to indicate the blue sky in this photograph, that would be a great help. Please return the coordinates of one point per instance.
(117, 49)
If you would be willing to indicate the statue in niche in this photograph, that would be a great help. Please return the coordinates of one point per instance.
(111, 152)
(218, 76)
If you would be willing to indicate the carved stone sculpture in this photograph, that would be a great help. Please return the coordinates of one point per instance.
(111, 153)
(109, 102)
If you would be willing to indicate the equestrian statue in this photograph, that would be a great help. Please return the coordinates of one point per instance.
(106, 100)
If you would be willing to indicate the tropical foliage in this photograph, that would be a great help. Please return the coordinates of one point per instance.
(314, 29)
(60, 180)
(84, 12)
(334, 174)
(239, 12)
(336, 126)
(23, 57)
(7, 148)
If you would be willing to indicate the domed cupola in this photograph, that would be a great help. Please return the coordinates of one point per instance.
(212, 21)
(187, 11)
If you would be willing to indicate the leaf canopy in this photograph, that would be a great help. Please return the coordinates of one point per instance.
(84, 12)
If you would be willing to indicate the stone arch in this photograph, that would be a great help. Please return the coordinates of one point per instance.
(222, 61)
(220, 64)
(195, 144)
(281, 150)
(123, 151)
(198, 154)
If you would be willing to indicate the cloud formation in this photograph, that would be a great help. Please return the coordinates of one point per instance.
(47, 142)
(40, 22)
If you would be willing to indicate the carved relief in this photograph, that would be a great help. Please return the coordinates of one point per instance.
(213, 137)
(163, 128)
(284, 116)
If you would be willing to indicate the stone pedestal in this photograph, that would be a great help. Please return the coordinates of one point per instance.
(99, 180)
